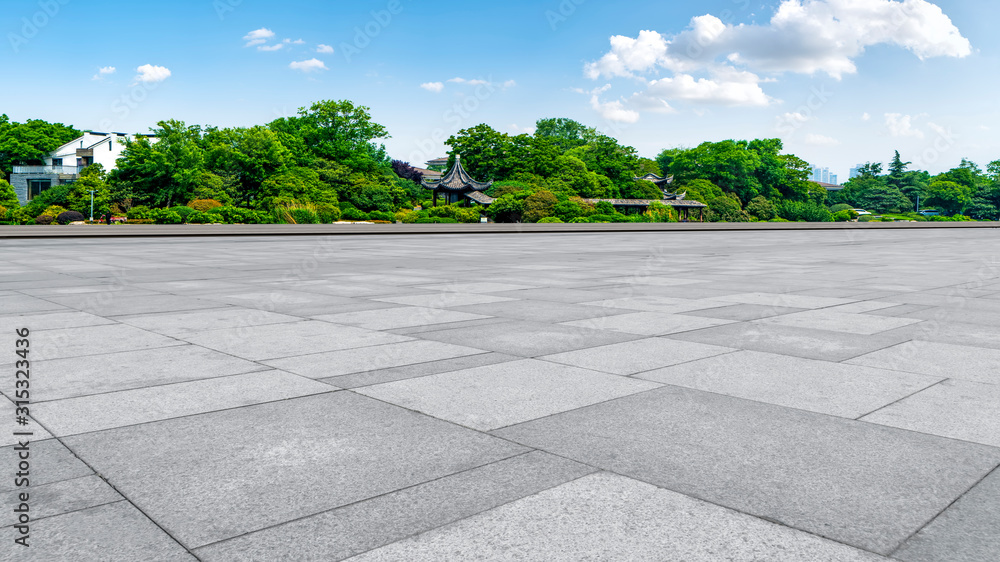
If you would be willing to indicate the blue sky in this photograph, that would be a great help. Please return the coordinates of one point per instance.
(841, 81)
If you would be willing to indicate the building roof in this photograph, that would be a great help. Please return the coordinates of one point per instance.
(480, 197)
(648, 202)
(438, 161)
(829, 186)
(457, 179)
(428, 174)
(658, 180)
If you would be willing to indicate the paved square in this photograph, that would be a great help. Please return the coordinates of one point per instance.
(710, 395)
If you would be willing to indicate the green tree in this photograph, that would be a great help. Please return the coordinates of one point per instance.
(565, 133)
(539, 206)
(952, 197)
(883, 198)
(727, 209)
(28, 143)
(92, 178)
(761, 209)
(897, 172)
(8, 197)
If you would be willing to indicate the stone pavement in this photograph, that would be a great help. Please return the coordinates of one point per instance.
(827, 395)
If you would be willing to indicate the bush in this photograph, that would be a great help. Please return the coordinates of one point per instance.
(845, 215)
(44, 219)
(69, 216)
(727, 209)
(141, 221)
(327, 213)
(600, 218)
(140, 212)
(183, 212)
(381, 216)
(579, 220)
(761, 209)
(203, 218)
(841, 207)
(867, 218)
(303, 216)
(204, 205)
(353, 214)
(236, 215)
(798, 211)
(550, 220)
(164, 216)
(53, 211)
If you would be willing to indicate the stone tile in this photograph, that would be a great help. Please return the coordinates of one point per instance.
(826, 319)
(528, 339)
(349, 361)
(19, 304)
(402, 317)
(862, 484)
(184, 323)
(786, 300)
(938, 359)
(476, 287)
(610, 517)
(116, 304)
(957, 409)
(742, 312)
(444, 299)
(984, 316)
(61, 497)
(295, 303)
(118, 409)
(496, 396)
(50, 462)
(848, 391)
(652, 304)
(115, 532)
(393, 374)
(629, 358)
(8, 413)
(94, 340)
(957, 333)
(862, 306)
(82, 376)
(552, 294)
(648, 323)
(42, 321)
(350, 530)
(798, 342)
(264, 465)
(965, 532)
(414, 330)
(646, 279)
(274, 341)
(541, 311)
(899, 310)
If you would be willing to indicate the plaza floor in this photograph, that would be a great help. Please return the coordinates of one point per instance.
(744, 395)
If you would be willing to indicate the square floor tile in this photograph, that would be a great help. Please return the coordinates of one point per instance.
(938, 359)
(649, 323)
(500, 395)
(864, 324)
(632, 357)
(183, 323)
(246, 469)
(528, 339)
(349, 361)
(444, 299)
(742, 312)
(402, 317)
(862, 484)
(94, 340)
(541, 311)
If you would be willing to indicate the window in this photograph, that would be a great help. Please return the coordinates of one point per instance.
(36, 187)
(57, 162)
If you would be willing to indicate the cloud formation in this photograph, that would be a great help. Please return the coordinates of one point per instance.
(258, 37)
(900, 125)
(435, 87)
(104, 71)
(311, 65)
(324, 49)
(270, 48)
(718, 63)
(149, 74)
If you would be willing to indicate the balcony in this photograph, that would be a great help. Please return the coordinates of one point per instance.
(49, 170)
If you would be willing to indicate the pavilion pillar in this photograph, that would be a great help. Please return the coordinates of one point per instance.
(435, 204)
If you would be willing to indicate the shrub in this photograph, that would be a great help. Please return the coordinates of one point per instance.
(761, 209)
(550, 220)
(845, 215)
(236, 215)
(600, 218)
(53, 211)
(69, 216)
(164, 216)
(381, 216)
(303, 216)
(841, 207)
(353, 214)
(727, 209)
(866, 218)
(801, 211)
(44, 219)
(183, 212)
(141, 221)
(140, 212)
(327, 213)
(203, 218)
(204, 205)
(578, 220)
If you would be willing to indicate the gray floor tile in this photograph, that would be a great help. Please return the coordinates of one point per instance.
(444, 299)
(184, 323)
(743, 312)
(610, 517)
(938, 359)
(862, 484)
(528, 339)
(350, 530)
(118, 409)
(404, 372)
(786, 300)
(402, 317)
(632, 357)
(19, 304)
(648, 323)
(115, 532)
(505, 394)
(350, 361)
(541, 311)
(243, 470)
(57, 498)
(955, 408)
(852, 323)
(112, 304)
(50, 462)
(966, 532)
(274, 341)
(94, 340)
(848, 391)
(41, 321)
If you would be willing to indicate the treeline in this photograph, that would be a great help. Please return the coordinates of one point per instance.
(327, 163)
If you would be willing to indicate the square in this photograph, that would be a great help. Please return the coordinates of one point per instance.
(629, 358)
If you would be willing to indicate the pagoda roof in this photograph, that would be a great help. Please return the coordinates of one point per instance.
(658, 180)
(480, 197)
(457, 179)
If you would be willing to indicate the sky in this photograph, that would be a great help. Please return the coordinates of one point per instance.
(841, 82)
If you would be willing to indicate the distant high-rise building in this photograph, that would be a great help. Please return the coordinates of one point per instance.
(833, 179)
(856, 171)
(822, 175)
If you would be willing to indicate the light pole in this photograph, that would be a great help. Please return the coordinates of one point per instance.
(92, 205)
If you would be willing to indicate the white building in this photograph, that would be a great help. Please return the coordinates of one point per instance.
(63, 164)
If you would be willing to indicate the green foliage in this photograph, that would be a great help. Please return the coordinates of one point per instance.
(8, 197)
(952, 197)
(303, 216)
(798, 211)
(204, 205)
(539, 206)
(846, 215)
(56, 195)
(658, 212)
(761, 209)
(164, 216)
(840, 207)
(140, 212)
(183, 212)
(236, 215)
(507, 208)
(727, 209)
(700, 190)
(28, 143)
(52, 211)
(327, 213)
(199, 217)
(353, 214)
(550, 220)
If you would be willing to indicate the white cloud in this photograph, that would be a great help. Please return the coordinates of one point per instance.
(469, 82)
(821, 140)
(866, 116)
(510, 84)
(794, 117)
(258, 36)
(104, 71)
(149, 73)
(612, 110)
(311, 65)
(435, 87)
(900, 125)
(325, 49)
(299, 42)
(803, 36)
(271, 48)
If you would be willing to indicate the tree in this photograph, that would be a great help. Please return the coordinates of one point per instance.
(8, 197)
(565, 133)
(406, 171)
(870, 170)
(243, 159)
(883, 198)
(539, 205)
(728, 164)
(727, 209)
(952, 197)
(28, 143)
(761, 209)
(897, 171)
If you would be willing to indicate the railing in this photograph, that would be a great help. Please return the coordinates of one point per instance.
(49, 170)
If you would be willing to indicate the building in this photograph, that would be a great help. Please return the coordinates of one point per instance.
(856, 171)
(438, 164)
(458, 186)
(63, 165)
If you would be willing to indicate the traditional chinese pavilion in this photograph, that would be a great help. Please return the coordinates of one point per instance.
(458, 186)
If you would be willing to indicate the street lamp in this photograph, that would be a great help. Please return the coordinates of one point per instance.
(92, 205)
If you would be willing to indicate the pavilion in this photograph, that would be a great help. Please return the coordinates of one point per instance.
(457, 185)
